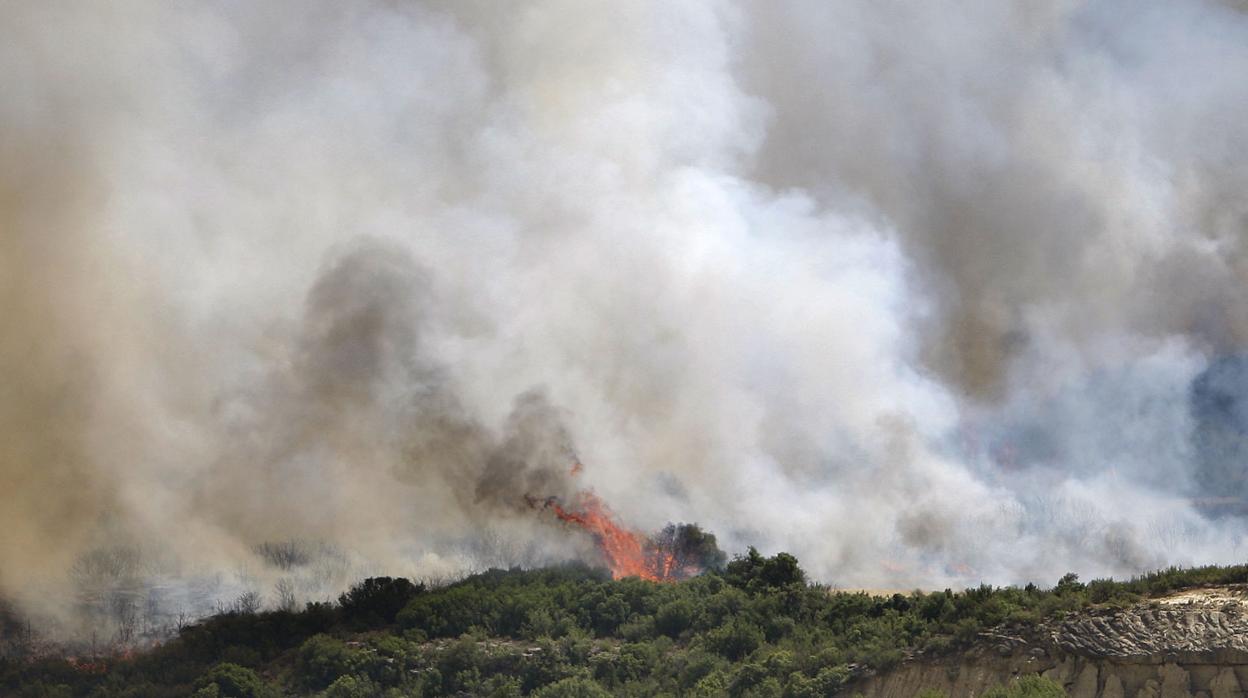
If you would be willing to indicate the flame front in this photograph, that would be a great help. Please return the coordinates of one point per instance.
(627, 553)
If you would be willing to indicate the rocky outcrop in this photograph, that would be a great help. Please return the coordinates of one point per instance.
(1192, 645)
(1160, 633)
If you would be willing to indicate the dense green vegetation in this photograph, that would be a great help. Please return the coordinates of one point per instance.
(754, 628)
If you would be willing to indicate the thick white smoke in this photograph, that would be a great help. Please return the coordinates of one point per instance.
(918, 292)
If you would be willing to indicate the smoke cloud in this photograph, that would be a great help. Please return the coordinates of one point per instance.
(925, 294)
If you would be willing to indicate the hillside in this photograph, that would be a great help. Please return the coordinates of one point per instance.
(754, 628)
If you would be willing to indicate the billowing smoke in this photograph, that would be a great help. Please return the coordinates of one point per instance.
(925, 293)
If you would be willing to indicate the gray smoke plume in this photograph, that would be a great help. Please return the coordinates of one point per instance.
(926, 294)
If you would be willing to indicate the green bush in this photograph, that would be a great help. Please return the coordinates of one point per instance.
(674, 617)
(232, 681)
(571, 688)
(500, 686)
(352, 687)
(321, 660)
(753, 571)
(735, 640)
(377, 600)
(1027, 687)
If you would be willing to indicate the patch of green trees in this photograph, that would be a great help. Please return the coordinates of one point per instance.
(754, 628)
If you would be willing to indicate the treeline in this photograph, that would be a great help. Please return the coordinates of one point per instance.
(754, 628)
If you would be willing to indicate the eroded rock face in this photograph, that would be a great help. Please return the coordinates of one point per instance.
(1086, 684)
(1176, 633)
(1175, 681)
(1113, 687)
(1191, 645)
(1092, 678)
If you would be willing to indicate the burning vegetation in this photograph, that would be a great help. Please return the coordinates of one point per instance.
(679, 551)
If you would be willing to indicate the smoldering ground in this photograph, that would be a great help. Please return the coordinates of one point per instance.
(924, 294)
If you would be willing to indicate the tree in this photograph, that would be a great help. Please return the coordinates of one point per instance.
(684, 550)
(284, 590)
(247, 602)
(752, 571)
(1069, 583)
(377, 600)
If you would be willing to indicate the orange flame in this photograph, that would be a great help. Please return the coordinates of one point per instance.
(98, 664)
(627, 553)
(622, 548)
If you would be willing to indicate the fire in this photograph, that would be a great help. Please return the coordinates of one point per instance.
(87, 666)
(627, 553)
(98, 664)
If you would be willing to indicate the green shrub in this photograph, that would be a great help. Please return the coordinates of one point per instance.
(377, 600)
(735, 640)
(1027, 687)
(321, 660)
(713, 684)
(753, 571)
(674, 617)
(571, 688)
(232, 681)
(352, 687)
(500, 686)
